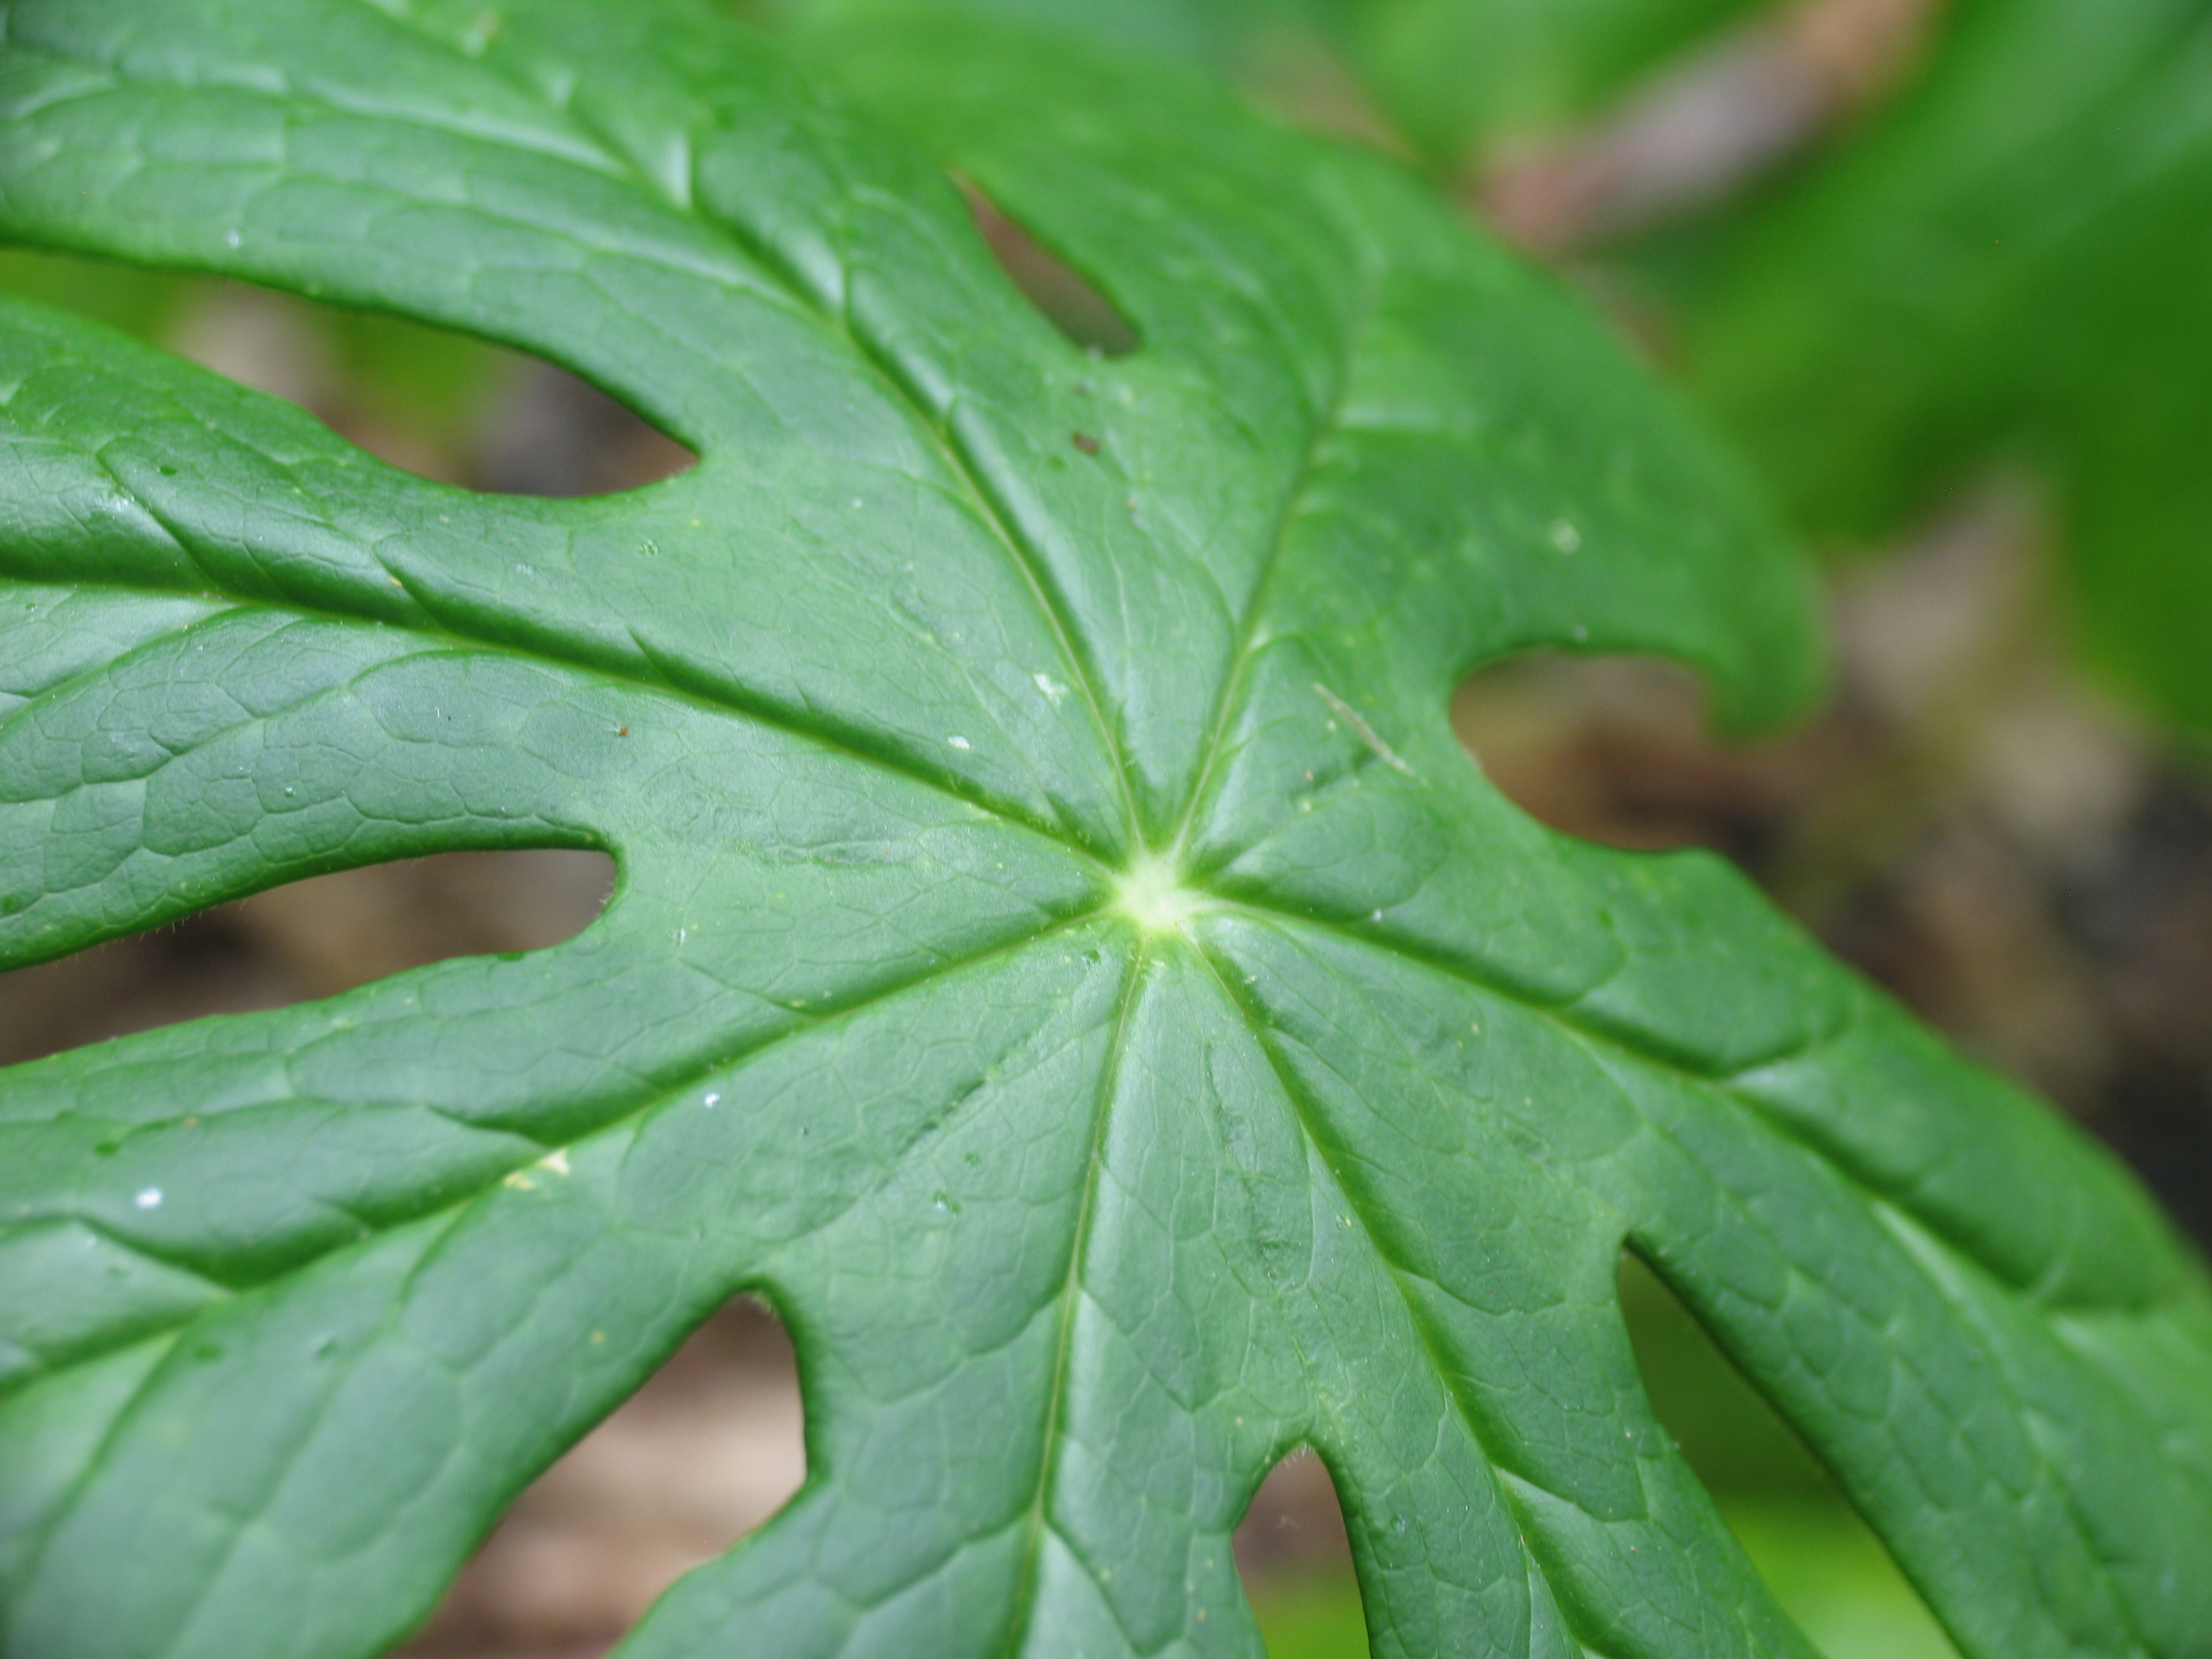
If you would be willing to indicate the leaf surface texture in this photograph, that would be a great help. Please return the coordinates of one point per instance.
(1061, 956)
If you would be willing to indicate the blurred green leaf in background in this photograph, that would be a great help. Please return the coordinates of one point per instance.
(2014, 262)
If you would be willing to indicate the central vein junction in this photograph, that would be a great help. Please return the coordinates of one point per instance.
(1152, 895)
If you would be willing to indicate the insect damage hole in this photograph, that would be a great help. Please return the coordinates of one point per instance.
(1066, 299)
(1295, 1561)
(705, 1453)
(1824, 1565)
(304, 941)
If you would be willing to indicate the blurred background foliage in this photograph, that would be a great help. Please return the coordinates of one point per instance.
(1942, 269)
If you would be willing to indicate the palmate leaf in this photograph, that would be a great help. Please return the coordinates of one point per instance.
(1061, 956)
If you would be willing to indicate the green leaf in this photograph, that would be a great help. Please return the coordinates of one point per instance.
(2011, 262)
(1061, 956)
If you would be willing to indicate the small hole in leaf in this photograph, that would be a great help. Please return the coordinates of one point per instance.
(1295, 1564)
(302, 941)
(438, 403)
(1823, 1562)
(1068, 301)
(705, 1453)
(1616, 749)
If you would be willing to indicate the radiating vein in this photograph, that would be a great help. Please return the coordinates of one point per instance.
(1248, 627)
(1303, 1110)
(719, 1061)
(1070, 1299)
(959, 464)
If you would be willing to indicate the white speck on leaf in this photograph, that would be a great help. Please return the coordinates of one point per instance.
(1566, 537)
(959, 743)
(1052, 689)
(149, 1199)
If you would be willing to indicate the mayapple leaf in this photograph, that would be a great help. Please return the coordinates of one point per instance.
(1061, 956)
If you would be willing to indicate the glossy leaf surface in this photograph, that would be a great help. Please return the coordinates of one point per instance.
(1061, 955)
